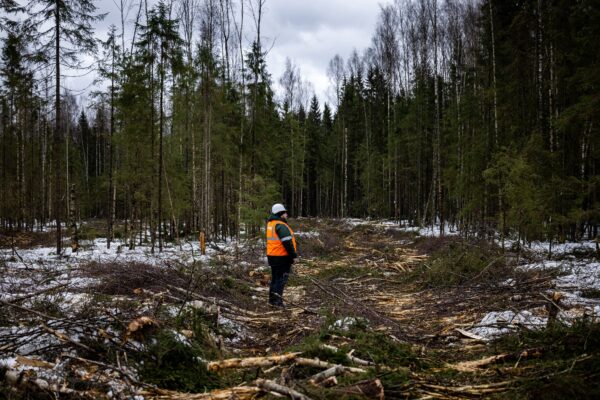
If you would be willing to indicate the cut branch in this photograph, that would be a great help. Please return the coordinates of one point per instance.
(270, 386)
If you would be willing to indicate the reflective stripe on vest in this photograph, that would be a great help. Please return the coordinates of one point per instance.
(275, 243)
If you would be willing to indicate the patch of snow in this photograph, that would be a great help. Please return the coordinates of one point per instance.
(9, 362)
(228, 323)
(435, 231)
(119, 251)
(344, 324)
(540, 266)
(496, 324)
(308, 234)
(181, 338)
(507, 283)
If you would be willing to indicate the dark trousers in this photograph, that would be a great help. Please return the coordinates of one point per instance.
(279, 278)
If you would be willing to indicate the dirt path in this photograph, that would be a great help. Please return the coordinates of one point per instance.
(366, 272)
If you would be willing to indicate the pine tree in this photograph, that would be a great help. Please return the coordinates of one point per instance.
(71, 35)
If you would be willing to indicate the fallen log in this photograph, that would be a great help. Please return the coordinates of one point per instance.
(329, 382)
(309, 362)
(223, 304)
(270, 386)
(268, 361)
(473, 390)
(328, 373)
(237, 392)
(31, 362)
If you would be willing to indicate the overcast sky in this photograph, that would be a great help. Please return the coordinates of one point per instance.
(309, 32)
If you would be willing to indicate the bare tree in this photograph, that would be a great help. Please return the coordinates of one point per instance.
(336, 73)
(290, 82)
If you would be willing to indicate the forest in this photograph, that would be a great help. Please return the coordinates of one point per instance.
(445, 198)
(479, 116)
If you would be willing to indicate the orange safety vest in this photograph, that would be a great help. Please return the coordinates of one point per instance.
(274, 245)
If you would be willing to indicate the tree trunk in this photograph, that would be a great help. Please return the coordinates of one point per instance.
(57, 138)
(160, 151)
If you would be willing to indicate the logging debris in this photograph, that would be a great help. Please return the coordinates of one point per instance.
(81, 329)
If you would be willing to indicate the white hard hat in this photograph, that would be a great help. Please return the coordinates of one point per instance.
(277, 208)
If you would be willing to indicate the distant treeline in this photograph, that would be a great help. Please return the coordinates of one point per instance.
(483, 115)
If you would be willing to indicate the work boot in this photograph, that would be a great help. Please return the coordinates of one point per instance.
(278, 305)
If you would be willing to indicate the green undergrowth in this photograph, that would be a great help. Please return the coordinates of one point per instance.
(569, 365)
(392, 360)
(89, 233)
(174, 363)
(460, 262)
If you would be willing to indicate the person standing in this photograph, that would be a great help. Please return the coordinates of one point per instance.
(281, 252)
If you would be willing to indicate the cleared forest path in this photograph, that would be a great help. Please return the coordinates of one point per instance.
(369, 274)
(366, 271)
(374, 305)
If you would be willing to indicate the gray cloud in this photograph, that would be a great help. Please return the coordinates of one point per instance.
(309, 32)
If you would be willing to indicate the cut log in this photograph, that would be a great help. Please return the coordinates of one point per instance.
(238, 393)
(31, 362)
(270, 386)
(328, 373)
(269, 361)
(472, 390)
(310, 362)
(329, 382)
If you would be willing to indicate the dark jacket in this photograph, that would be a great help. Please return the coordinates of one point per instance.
(282, 231)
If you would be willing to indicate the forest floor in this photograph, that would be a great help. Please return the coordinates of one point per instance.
(388, 312)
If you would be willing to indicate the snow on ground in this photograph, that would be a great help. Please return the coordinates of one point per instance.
(495, 324)
(402, 226)
(576, 279)
(119, 252)
(307, 234)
